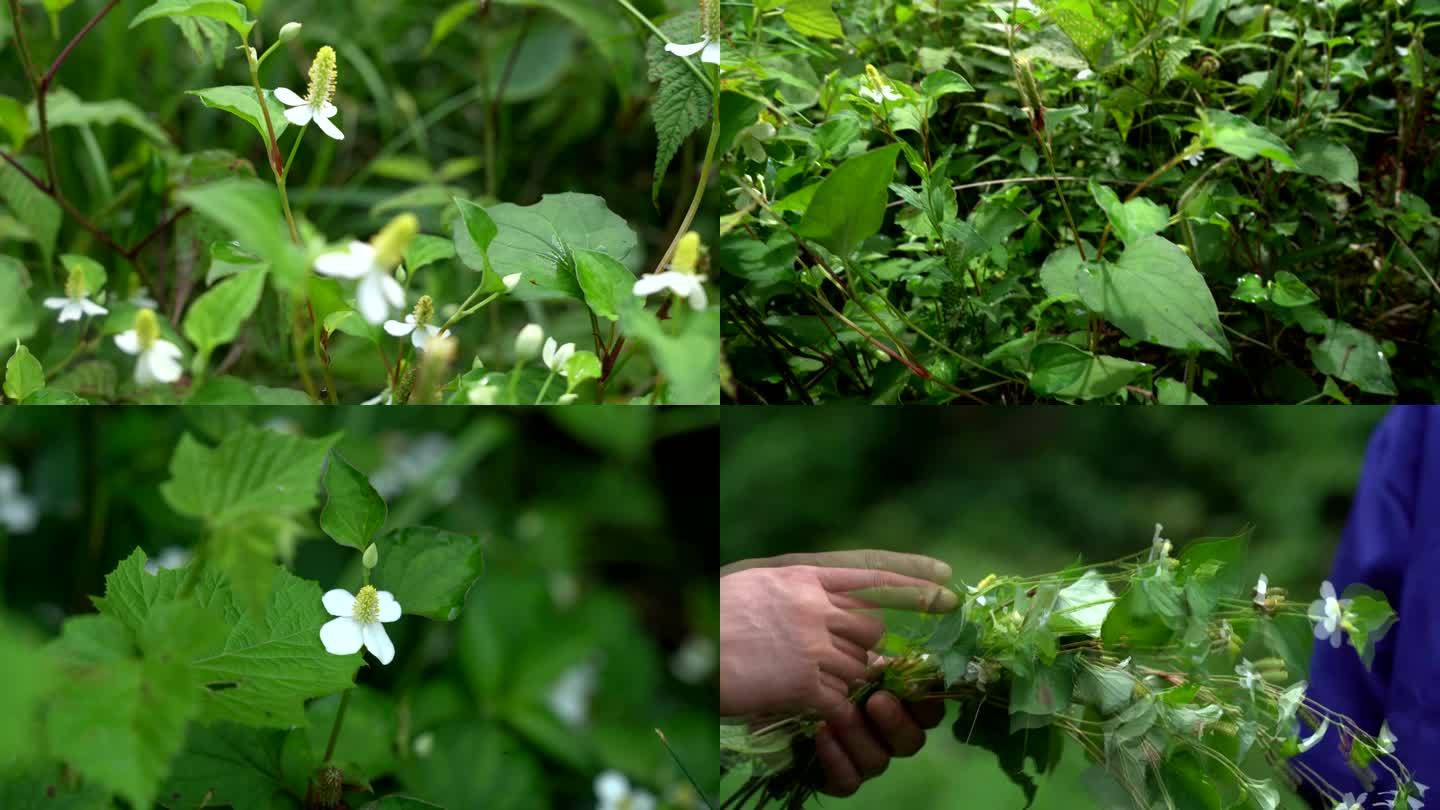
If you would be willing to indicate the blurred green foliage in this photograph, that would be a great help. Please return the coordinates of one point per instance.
(588, 630)
(1027, 491)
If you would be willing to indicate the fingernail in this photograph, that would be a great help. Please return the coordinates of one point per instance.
(942, 573)
(945, 601)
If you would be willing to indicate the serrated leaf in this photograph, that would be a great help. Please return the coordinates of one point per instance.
(536, 241)
(252, 471)
(240, 101)
(682, 101)
(429, 570)
(249, 210)
(353, 511)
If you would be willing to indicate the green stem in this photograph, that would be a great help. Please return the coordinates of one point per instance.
(699, 196)
(546, 387)
(272, 147)
(513, 385)
(285, 173)
(335, 729)
(645, 21)
(466, 310)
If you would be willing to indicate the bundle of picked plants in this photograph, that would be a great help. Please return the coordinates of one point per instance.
(1177, 682)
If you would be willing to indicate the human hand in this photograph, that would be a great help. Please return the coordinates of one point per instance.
(855, 745)
(789, 637)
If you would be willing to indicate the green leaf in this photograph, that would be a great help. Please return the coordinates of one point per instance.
(538, 240)
(1132, 220)
(473, 234)
(427, 250)
(943, 83)
(1153, 293)
(33, 207)
(239, 101)
(1287, 290)
(813, 18)
(1108, 689)
(477, 763)
(849, 206)
(1355, 357)
(1330, 160)
(265, 664)
(353, 511)
(17, 314)
(401, 802)
(30, 675)
(1368, 618)
(682, 102)
(227, 764)
(231, 13)
(14, 123)
(1173, 392)
(23, 374)
(216, 317)
(582, 366)
(430, 571)
(252, 471)
(94, 274)
(1046, 691)
(1081, 607)
(607, 285)
(1238, 136)
(1144, 617)
(249, 211)
(987, 725)
(65, 109)
(1062, 370)
(689, 356)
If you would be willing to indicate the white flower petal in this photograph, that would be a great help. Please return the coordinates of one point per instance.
(612, 786)
(92, 308)
(547, 354)
(698, 301)
(711, 54)
(391, 289)
(288, 97)
(650, 284)
(341, 636)
(399, 329)
(56, 303)
(687, 49)
(377, 641)
(370, 299)
(162, 364)
(72, 311)
(342, 265)
(329, 128)
(327, 110)
(511, 281)
(338, 602)
(641, 800)
(128, 341)
(389, 608)
(299, 116)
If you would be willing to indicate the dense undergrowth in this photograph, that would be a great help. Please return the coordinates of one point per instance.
(1149, 200)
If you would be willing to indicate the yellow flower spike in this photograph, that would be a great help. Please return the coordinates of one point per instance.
(394, 239)
(324, 74)
(876, 80)
(367, 605)
(424, 310)
(147, 328)
(687, 253)
(986, 582)
(76, 287)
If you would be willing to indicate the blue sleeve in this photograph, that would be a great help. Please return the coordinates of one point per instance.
(1376, 549)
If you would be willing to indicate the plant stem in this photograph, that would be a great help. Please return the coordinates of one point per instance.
(294, 148)
(272, 147)
(546, 387)
(699, 195)
(335, 729)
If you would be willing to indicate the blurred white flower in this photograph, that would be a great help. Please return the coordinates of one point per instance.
(1327, 612)
(1262, 587)
(73, 309)
(413, 463)
(569, 697)
(1084, 74)
(885, 93)
(1386, 739)
(528, 342)
(686, 285)
(378, 291)
(695, 660)
(555, 355)
(483, 394)
(141, 299)
(615, 793)
(1249, 676)
(169, 559)
(709, 51)
(17, 511)
(1350, 802)
(511, 282)
(1160, 548)
(420, 334)
(360, 620)
(424, 745)
(158, 359)
(382, 398)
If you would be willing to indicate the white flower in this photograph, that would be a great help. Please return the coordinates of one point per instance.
(709, 51)
(1412, 790)
(695, 660)
(378, 292)
(567, 399)
(615, 793)
(511, 282)
(73, 309)
(1327, 613)
(1350, 802)
(360, 622)
(302, 112)
(419, 335)
(1193, 160)
(1262, 587)
(1249, 676)
(555, 356)
(569, 697)
(528, 342)
(886, 93)
(1386, 739)
(1084, 74)
(1314, 739)
(171, 558)
(382, 398)
(424, 745)
(158, 362)
(17, 511)
(141, 299)
(483, 394)
(685, 285)
(1159, 547)
(414, 462)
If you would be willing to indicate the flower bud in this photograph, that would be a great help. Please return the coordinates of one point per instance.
(371, 557)
(511, 282)
(567, 399)
(289, 31)
(527, 343)
(394, 239)
(147, 328)
(482, 394)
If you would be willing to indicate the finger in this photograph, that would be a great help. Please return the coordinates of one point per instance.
(855, 627)
(846, 601)
(866, 751)
(928, 713)
(851, 650)
(925, 599)
(843, 667)
(910, 565)
(843, 580)
(901, 734)
(841, 778)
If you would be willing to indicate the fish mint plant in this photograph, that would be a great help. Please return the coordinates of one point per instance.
(280, 269)
(1181, 687)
